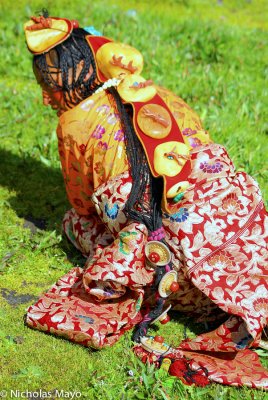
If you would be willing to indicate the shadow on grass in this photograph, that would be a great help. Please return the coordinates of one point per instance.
(37, 195)
(40, 195)
(15, 299)
(195, 324)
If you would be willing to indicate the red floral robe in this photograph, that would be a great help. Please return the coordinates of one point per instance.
(217, 235)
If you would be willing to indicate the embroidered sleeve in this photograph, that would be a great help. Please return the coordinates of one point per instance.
(87, 233)
(119, 266)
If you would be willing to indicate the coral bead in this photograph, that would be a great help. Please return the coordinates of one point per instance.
(75, 23)
(154, 257)
(174, 287)
(159, 339)
(165, 320)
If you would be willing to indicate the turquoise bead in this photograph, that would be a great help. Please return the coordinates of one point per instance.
(178, 197)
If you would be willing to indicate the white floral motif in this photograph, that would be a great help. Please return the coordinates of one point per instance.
(213, 231)
(252, 300)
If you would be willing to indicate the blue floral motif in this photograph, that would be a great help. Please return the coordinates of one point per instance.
(244, 342)
(109, 291)
(180, 216)
(87, 319)
(111, 212)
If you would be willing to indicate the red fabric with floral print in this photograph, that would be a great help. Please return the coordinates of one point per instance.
(218, 238)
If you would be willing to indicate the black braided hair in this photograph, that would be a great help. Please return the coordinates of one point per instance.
(69, 54)
(144, 202)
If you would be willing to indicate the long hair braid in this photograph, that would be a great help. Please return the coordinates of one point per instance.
(144, 202)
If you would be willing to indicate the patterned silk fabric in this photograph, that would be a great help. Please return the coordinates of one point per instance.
(217, 235)
(91, 148)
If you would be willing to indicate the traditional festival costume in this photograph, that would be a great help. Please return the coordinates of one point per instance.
(207, 257)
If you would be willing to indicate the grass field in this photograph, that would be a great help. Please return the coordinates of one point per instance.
(211, 53)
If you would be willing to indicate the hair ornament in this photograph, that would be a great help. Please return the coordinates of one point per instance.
(43, 32)
(92, 31)
(39, 23)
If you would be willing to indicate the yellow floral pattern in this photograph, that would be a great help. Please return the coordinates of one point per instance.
(92, 143)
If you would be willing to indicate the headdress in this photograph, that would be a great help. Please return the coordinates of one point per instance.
(43, 33)
(113, 59)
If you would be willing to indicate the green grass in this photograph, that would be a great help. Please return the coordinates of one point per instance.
(215, 57)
